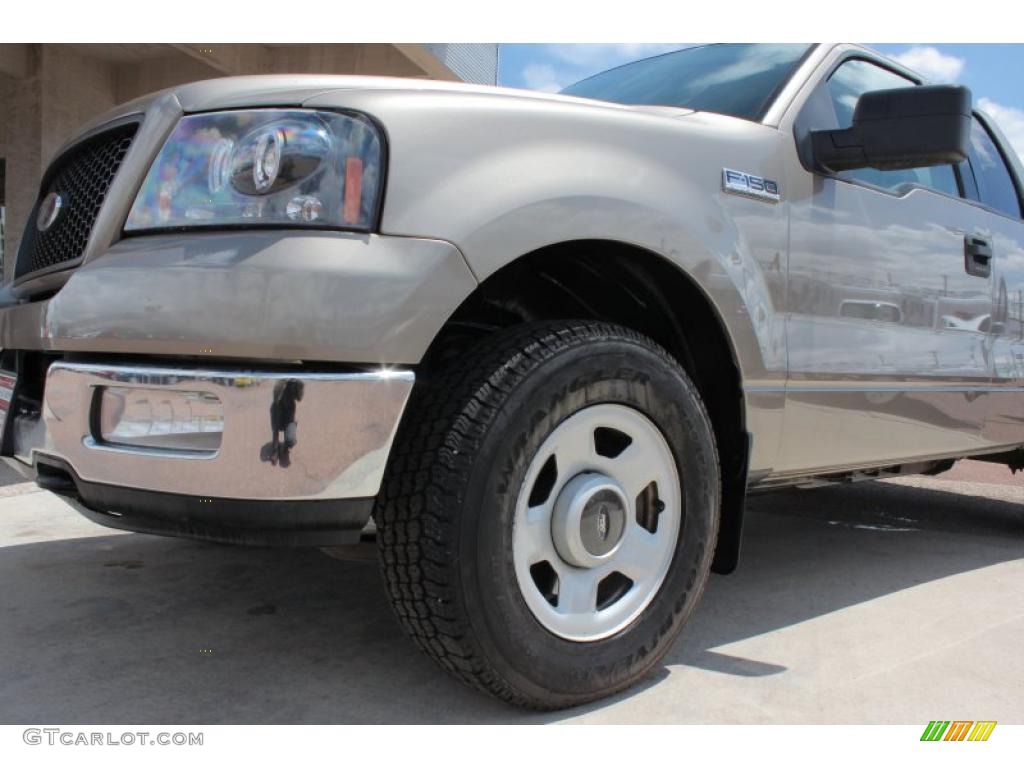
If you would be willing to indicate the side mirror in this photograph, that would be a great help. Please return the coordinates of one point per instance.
(900, 128)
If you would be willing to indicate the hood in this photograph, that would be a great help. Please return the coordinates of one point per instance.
(296, 90)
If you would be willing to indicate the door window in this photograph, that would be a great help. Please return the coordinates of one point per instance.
(995, 187)
(848, 83)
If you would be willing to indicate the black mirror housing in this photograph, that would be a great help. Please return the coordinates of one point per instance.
(900, 128)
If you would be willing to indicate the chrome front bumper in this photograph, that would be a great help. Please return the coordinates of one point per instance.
(216, 434)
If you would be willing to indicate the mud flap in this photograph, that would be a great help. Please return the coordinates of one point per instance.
(730, 529)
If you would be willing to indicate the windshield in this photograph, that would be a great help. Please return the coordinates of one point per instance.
(732, 79)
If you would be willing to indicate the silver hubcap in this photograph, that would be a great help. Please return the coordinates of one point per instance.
(597, 521)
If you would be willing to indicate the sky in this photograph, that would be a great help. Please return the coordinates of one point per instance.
(991, 71)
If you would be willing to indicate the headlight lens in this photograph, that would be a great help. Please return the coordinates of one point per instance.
(269, 167)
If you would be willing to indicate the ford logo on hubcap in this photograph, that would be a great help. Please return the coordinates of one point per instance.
(49, 210)
(602, 522)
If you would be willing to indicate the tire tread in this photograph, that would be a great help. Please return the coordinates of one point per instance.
(446, 420)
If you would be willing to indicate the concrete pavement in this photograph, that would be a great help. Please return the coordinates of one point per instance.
(888, 602)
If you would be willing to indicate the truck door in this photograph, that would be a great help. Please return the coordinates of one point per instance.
(889, 360)
(990, 182)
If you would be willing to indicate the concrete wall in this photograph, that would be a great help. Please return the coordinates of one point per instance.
(48, 91)
(72, 85)
(22, 110)
(6, 91)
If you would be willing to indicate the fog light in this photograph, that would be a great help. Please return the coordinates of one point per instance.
(164, 419)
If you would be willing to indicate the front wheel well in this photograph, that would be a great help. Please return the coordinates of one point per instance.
(638, 289)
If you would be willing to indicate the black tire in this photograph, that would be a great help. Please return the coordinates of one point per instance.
(445, 509)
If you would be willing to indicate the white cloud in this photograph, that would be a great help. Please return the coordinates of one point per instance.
(932, 63)
(542, 77)
(1010, 121)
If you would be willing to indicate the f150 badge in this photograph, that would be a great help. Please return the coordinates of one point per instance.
(748, 185)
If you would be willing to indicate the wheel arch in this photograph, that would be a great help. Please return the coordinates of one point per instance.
(640, 289)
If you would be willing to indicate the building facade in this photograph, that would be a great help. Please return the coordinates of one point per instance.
(472, 62)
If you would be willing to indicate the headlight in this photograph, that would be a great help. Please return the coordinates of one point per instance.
(263, 167)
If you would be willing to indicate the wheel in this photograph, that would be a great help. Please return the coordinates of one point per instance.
(548, 518)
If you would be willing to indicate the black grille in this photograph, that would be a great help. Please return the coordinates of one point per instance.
(81, 177)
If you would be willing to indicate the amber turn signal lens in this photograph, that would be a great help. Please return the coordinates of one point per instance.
(353, 189)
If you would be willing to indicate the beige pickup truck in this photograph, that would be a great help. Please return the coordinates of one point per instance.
(542, 345)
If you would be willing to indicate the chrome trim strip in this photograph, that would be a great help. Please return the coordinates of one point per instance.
(787, 477)
(287, 435)
(128, 373)
(910, 388)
